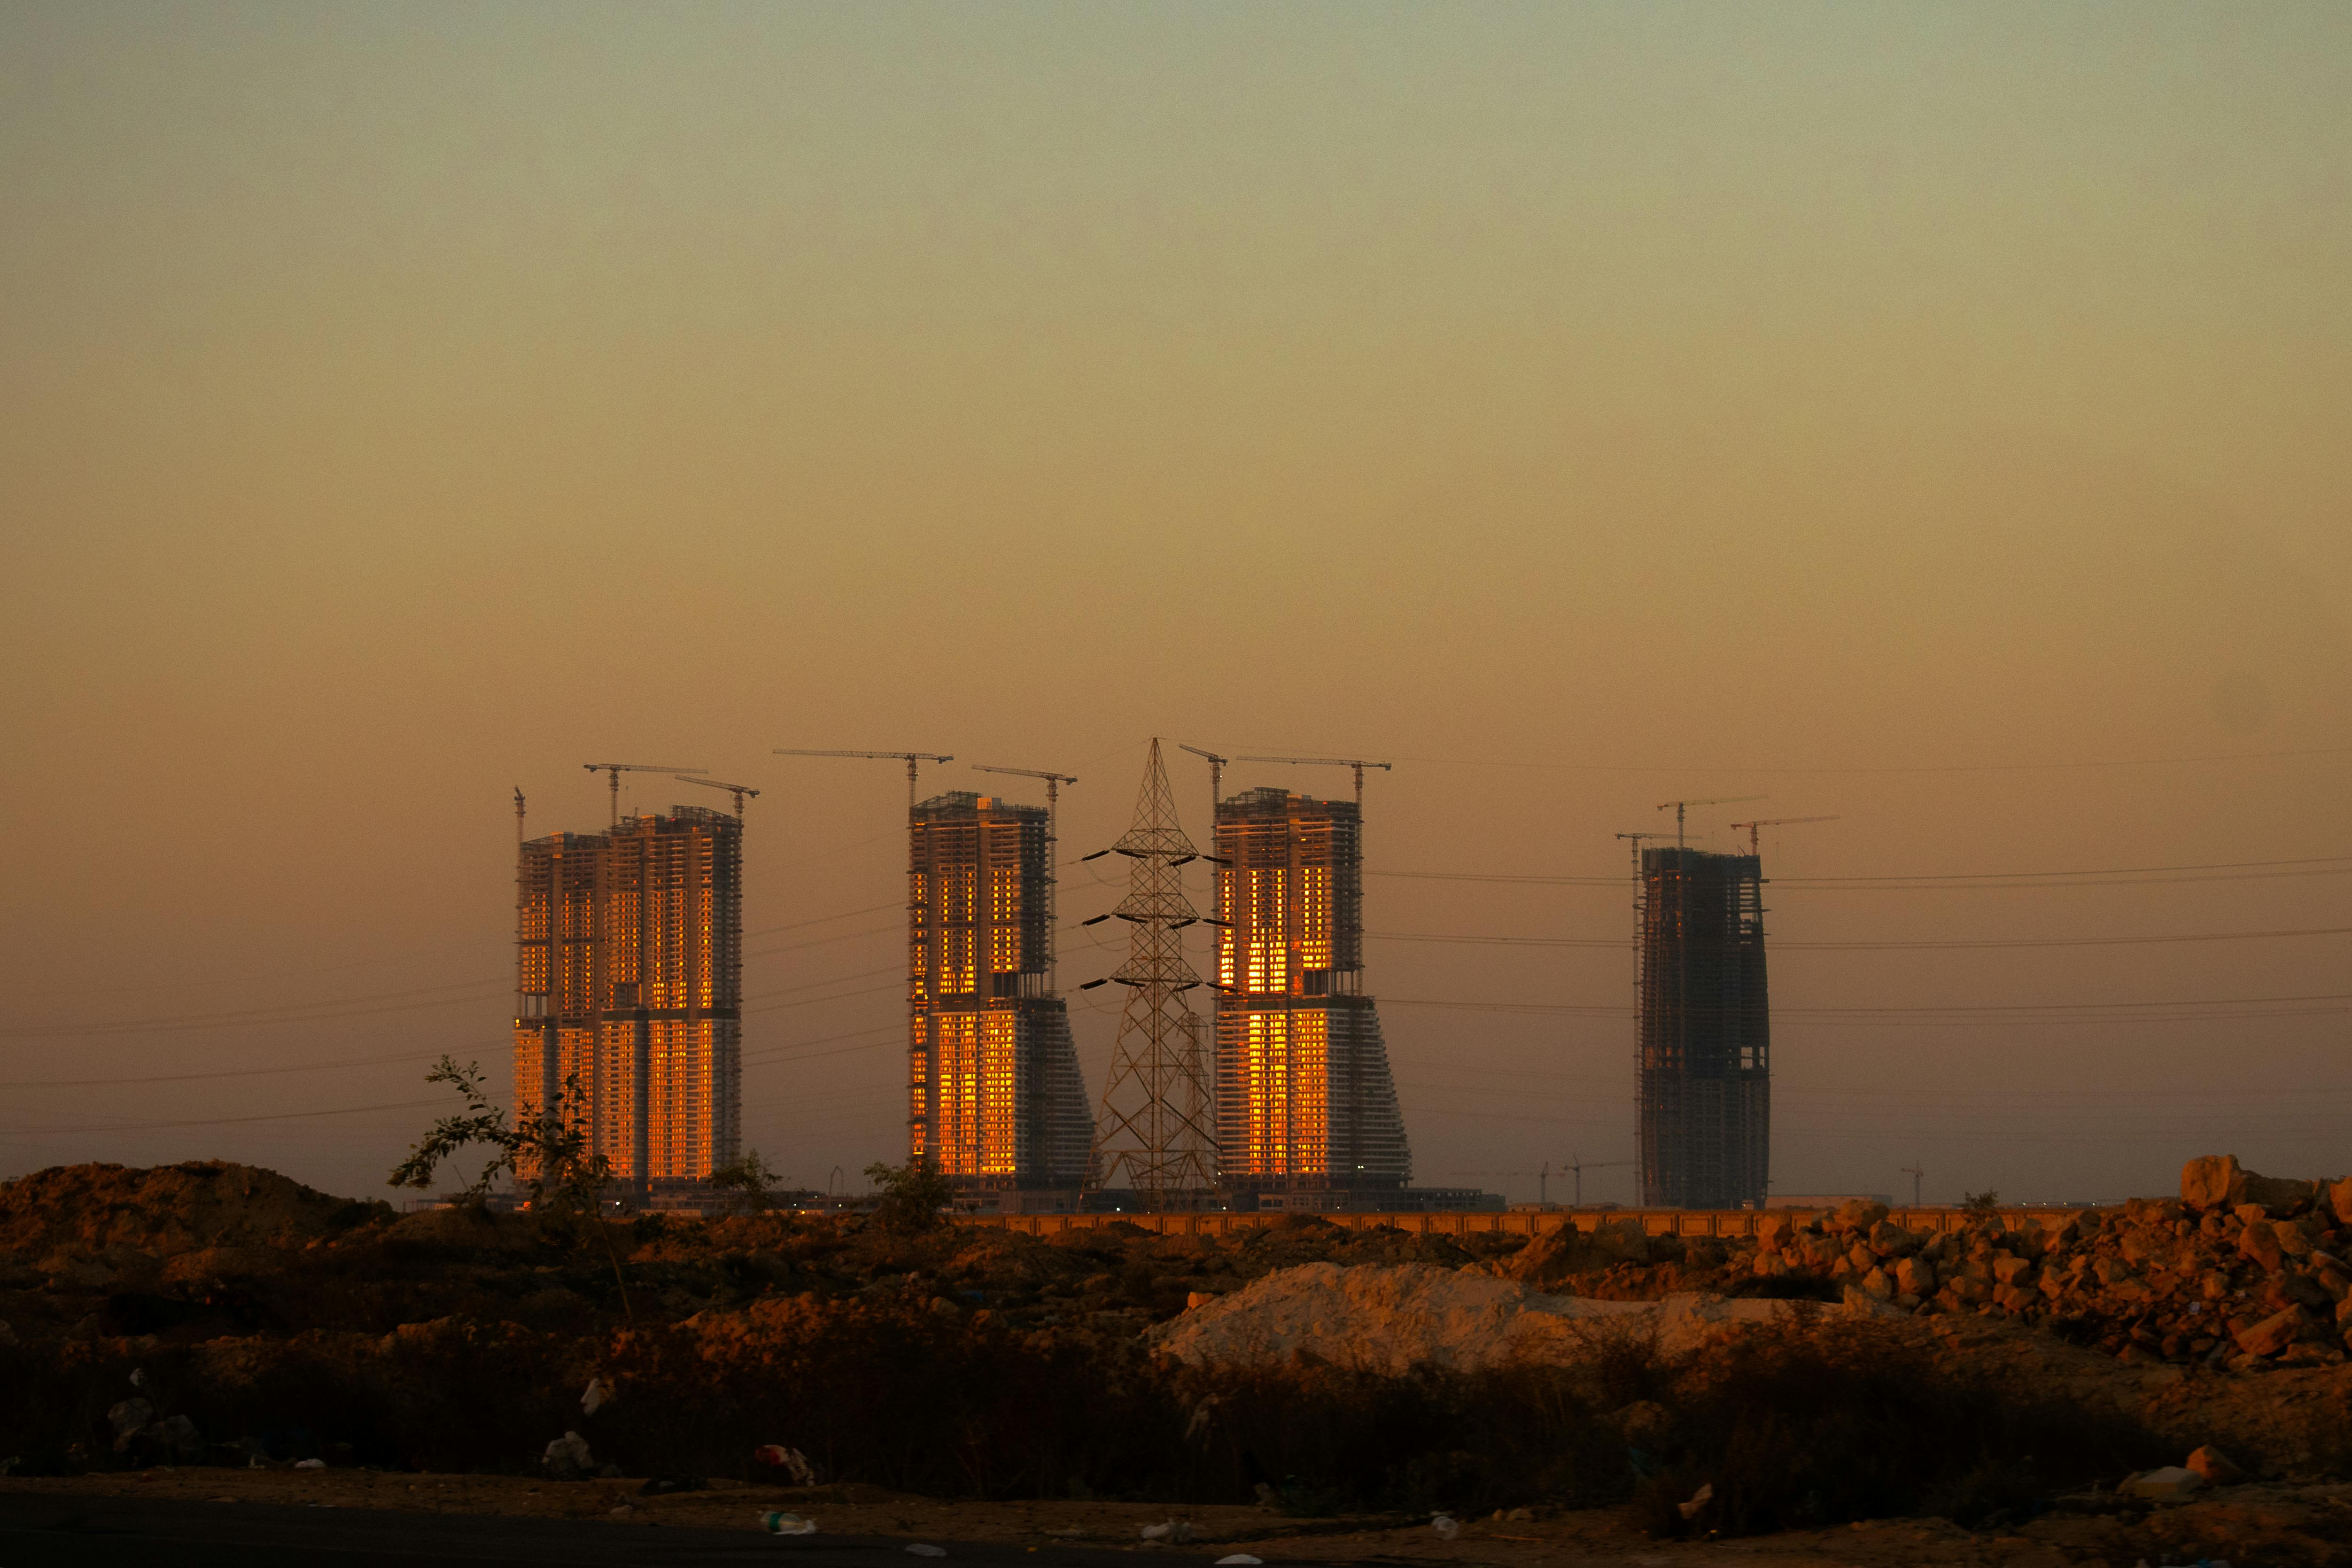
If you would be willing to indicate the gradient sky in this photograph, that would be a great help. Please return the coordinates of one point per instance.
(1935, 417)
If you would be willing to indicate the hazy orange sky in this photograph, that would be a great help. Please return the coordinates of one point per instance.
(1892, 411)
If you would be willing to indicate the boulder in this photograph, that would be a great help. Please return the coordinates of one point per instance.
(2216, 1467)
(2260, 1245)
(1773, 1231)
(2210, 1183)
(1856, 1215)
(2273, 1334)
(2173, 1483)
(2339, 1199)
(2275, 1193)
(1914, 1277)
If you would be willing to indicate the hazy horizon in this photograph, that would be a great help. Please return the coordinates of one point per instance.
(1929, 418)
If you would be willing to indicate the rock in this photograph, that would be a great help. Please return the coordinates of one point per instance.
(129, 1418)
(1914, 1277)
(2260, 1245)
(2340, 1200)
(1877, 1284)
(2173, 1483)
(2343, 1314)
(2010, 1270)
(2275, 1192)
(2273, 1334)
(2215, 1467)
(1773, 1231)
(1856, 1215)
(2210, 1183)
(2291, 1238)
(567, 1458)
(1771, 1265)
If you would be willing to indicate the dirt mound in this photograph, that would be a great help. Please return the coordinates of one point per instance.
(162, 1210)
(1392, 1319)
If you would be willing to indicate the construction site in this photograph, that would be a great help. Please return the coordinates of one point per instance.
(628, 995)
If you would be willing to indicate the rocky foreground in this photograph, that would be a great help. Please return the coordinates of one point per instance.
(2027, 1384)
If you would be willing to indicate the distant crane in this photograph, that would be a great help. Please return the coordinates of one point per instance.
(1054, 783)
(617, 769)
(1680, 805)
(1216, 780)
(1917, 1177)
(1325, 763)
(909, 758)
(1577, 1166)
(741, 791)
(518, 815)
(1774, 822)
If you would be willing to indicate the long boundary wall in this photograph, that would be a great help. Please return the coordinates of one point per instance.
(1469, 1222)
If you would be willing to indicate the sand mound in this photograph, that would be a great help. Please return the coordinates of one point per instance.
(1389, 1319)
(162, 1210)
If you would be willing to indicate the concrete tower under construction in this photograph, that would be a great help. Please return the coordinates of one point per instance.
(1305, 1101)
(994, 1095)
(1704, 1094)
(629, 986)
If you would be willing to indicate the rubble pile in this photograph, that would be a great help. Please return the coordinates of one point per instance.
(2242, 1269)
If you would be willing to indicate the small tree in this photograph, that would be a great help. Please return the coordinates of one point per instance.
(544, 1151)
(912, 1194)
(1983, 1206)
(748, 1178)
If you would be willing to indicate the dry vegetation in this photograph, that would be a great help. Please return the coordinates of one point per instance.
(267, 1323)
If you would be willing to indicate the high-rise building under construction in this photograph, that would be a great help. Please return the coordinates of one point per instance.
(1305, 1101)
(629, 981)
(1703, 1106)
(994, 1095)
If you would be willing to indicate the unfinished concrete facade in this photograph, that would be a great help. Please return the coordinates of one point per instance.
(1703, 1083)
(629, 985)
(994, 1093)
(1305, 1099)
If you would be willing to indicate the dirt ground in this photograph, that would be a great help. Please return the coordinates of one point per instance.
(2252, 1526)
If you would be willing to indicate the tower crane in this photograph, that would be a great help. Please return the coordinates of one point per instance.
(1577, 1165)
(1357, 763)
(1680, 805)
(741, 791)
(1774, 822)
(1917, 1177)
(1054, 783)
(617, 769)
(909, 758)
(1216, 780)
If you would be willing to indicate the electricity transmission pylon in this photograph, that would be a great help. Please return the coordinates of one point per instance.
(1155, 1127)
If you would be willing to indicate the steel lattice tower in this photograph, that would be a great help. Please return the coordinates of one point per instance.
(1156, 1107)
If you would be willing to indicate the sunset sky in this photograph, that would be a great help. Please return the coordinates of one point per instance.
(1937, 417)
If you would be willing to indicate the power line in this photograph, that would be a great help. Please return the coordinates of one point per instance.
(1919, 768)
(218, 1120)
(1618, 942)
(2123, 876)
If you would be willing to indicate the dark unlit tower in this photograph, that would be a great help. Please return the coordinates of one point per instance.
(1704, 1090)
